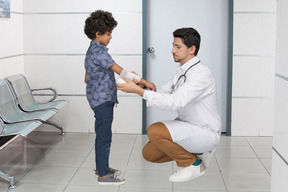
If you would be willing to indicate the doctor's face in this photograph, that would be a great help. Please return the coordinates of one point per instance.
(181, 53)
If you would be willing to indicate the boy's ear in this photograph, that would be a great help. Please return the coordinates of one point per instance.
(97, 34)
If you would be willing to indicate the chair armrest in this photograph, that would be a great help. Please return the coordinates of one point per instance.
(49, 89)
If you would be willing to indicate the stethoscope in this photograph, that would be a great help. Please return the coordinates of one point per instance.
(184, 76)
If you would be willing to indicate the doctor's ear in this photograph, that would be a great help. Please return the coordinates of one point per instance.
(192, 49)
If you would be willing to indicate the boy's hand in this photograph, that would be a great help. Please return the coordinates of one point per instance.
(85, 78)
(120, 81)
(135, 80)
(130, 87)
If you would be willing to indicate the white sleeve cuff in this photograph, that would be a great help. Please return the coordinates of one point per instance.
(147, 96)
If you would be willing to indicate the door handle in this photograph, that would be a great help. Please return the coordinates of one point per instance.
(151, 50)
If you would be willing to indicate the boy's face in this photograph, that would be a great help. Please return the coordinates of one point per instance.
(103, 39)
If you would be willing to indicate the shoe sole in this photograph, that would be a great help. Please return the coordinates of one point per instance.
(187, 179)
(111, 183)
(114, 175)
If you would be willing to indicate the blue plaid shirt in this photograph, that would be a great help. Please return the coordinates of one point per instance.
(101, 85)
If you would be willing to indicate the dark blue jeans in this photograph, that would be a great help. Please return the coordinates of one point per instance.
(103, 121)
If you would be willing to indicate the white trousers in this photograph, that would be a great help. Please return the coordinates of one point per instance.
(192, 138)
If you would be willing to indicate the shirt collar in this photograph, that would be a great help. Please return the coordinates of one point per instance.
(186, 65)
(95, 43)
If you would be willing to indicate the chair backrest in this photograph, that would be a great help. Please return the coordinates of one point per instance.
(22, 89)
(8, 106)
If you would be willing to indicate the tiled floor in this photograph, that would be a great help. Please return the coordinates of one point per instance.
(240, 164)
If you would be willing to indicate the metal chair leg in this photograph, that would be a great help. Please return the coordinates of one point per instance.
(54, 125)
(8, 178)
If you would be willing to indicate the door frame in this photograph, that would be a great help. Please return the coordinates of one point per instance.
(230, 65)
(144, 62)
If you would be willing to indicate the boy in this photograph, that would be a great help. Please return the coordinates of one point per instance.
(101, 90)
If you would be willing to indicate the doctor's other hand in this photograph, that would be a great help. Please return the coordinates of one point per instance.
(150, 86)
(130, 87)
(144, 83)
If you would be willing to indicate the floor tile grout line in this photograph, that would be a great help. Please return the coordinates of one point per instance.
(173, 184)
(78, 169)
(124, 171)
(221, 173)
(258, 156)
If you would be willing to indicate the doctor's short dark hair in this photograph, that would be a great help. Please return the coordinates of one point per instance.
(99, 21)
(189, 37)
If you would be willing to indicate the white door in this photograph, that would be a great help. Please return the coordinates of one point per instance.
(210, 19)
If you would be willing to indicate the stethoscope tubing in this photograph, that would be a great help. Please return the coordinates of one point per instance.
(184, 75)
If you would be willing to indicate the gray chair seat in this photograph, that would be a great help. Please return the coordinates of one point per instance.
(22, 120)
(43, 106)
(25, 98)
(23, 128)
(10, 112)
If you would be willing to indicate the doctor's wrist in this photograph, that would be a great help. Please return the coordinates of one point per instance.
(140, 91)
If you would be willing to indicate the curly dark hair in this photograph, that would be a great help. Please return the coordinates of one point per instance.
(189, 37)
(99, 21)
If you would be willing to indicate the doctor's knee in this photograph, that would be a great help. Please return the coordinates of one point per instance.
(158, 131)
(146, 154)
(154, 130)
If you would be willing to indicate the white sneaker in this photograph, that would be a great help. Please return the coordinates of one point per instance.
(206, 157)
(187, 173)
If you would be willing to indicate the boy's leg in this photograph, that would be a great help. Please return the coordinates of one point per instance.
(160, 136)
(104, 117)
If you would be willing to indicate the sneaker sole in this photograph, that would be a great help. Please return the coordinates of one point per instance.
(111, 183)
(114, 175)
(187, 179)
(118, 174)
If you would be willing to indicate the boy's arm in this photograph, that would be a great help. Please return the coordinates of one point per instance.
(116, 68)
(125, 73)
(132, 76)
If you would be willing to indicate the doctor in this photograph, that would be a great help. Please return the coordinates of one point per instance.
(192, 137)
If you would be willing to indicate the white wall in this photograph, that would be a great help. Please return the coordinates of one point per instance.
(254, 41)
(55, 47)
(11, 41)
(280, 139)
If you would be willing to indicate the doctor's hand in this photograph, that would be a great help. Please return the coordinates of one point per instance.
(130, 87)
(150, 85)
(144, 83)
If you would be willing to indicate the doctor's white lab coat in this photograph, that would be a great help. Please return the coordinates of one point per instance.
(195, 100)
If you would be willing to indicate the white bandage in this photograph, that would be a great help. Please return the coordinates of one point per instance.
(128, 75)
(120, 81)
